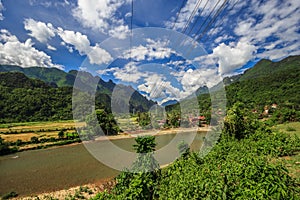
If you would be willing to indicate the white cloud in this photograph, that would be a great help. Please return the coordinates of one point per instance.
(14, 52)
(156, 87)
(48, 4)
(1, 9)
(129, 73)
(152, 50)
(233, 56)
(78, 40)
(81, 43)
(120, 31)
(202, 7)
(51, 48)
(39, 30)
(277, 19)
(100, 15)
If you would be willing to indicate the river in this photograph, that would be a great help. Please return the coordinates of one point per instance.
(37, 171)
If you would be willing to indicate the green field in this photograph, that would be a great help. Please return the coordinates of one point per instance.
(291, 162)
(289, 128)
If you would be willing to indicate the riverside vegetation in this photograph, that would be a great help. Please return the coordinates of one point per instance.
(243, 165)
(247, 163)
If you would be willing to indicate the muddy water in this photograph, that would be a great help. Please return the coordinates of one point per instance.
(37, 171)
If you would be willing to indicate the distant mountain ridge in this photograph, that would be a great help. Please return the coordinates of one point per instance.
(264, 84)
(170, 102)
(53, 81)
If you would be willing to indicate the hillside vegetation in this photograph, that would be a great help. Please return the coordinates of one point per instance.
(47, 95)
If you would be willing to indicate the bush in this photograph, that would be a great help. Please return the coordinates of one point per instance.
(10, 195)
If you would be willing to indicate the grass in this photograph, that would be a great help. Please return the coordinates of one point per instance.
(289, 128)
(38, 126)
(27, 136)
(26, 130)
(293, 165)
(9, 125)
(291, 162)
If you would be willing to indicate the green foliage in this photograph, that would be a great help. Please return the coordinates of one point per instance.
(239, 122)
(284, 114)
(232, 170)
(34, 140)
(290, 129)
(10, 195)
(39, 98)
(61, 134)
(144, 144)
(240, 166)
(184, 149)
(143, 119)
(5, 147)
(140, 183)
(103, 119)
(267, 83)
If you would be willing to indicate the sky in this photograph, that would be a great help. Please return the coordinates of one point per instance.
(166, 49)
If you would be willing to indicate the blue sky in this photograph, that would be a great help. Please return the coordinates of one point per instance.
(176, 47)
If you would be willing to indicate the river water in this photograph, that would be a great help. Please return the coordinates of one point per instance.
(37, 171)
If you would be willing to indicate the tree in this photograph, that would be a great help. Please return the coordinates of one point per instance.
(34, 140)
(61, 134)
(104, 120)
(141, 182)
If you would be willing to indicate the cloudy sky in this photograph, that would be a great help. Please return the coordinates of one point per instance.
(164, 48)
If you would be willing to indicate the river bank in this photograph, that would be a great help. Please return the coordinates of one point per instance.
(135, 134)
(44, 171)
(86, 191)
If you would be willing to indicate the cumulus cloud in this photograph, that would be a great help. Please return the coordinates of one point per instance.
(271, 26)
(156, 87)
(39, 30)
(129, 73)
(14, 52)
(154, 49)
(100, 15)
(233, 56)
(81, 43)
(1, 9)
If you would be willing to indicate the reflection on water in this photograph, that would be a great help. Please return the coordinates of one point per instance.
(37, 171)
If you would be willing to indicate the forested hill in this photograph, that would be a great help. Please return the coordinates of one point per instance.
(34, 99)
(25, 99)
(268, 83)
(260, 87)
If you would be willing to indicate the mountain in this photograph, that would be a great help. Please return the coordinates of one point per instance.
(266, 83)
(25, 91)
(170, 102)
(26, 99)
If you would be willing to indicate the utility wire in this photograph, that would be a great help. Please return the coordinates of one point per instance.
(209, 23)
(131, 32)
(155, 89)
(213, 20)
(196, 21)
(223, 17)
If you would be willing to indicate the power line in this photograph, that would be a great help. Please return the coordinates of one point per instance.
(196, 21)
(208, 16)
(192, 15)
(178, 13)
(223, 17)
(213, 19)
(209, 23)
(131, 32)
(155, 90)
